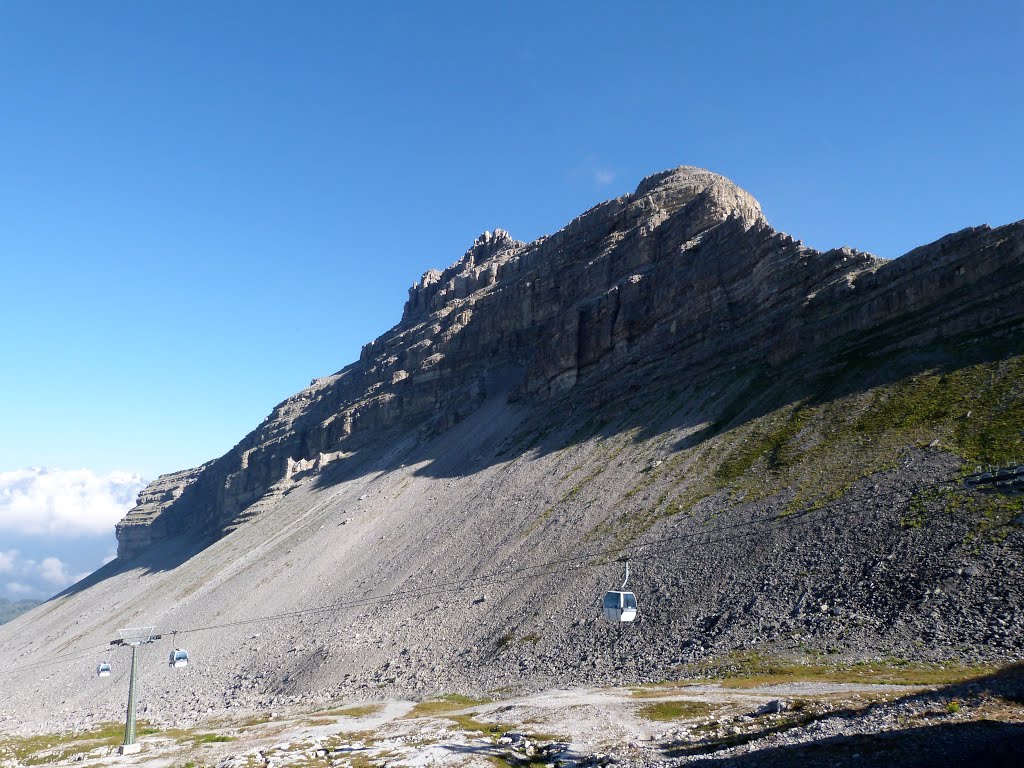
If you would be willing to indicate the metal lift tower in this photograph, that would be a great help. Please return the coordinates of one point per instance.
(134, 637)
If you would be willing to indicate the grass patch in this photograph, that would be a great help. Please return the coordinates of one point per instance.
(442, 705)
(210, 738)
(817, 447)
(356, 710)
(993, 512)
(448, 706)
(47, 749)
(510, 639)
(805, 444)
(675, 709)
(992, 392)
(751, 670)
(470, 724)
(769, 441)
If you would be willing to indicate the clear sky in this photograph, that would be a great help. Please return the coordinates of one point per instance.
(203, 205)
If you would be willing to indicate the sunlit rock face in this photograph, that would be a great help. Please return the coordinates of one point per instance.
(684, 274)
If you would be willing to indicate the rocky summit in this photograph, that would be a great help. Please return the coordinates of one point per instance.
(777, 438)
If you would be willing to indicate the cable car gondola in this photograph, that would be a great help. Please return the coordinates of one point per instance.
(178, 658)
(619, 604)
(103, 669)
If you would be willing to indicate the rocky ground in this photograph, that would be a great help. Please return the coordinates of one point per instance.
(738, 721)
(412, 580)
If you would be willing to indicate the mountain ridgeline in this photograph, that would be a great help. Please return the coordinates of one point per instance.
(681, 285)
(776, 437)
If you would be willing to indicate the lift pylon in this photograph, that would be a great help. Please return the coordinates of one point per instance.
(133, 637)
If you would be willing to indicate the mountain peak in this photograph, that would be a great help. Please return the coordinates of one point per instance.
(682, 275)
(678, 187)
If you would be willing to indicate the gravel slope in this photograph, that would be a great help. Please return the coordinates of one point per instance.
(493, 497)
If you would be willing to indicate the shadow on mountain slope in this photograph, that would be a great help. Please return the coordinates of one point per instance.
(912, 743)
(660, 392)
(499, 430)
(659, 398)
(976, 743)
(846, 373)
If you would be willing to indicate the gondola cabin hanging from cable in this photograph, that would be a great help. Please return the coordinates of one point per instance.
(619, 604)
(103, 669)
(178, 658)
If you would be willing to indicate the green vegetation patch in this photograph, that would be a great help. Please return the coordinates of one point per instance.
(443, 705)
(675, 709)
(448, 707)
(356, 710)
(510, 639)
(993, 512)
(210, 738)
(768, 442)
(47, 749)
(751, 669)
(979, 408)
(470, 724)
(834, 433)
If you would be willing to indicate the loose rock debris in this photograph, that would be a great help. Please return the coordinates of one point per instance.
(798, 724)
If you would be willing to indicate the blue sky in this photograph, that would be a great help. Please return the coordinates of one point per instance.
(203, 206)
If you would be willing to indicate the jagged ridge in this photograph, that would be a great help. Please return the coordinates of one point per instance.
(686, 269)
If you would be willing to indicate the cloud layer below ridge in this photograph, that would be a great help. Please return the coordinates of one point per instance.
(57, 526)
(67, 503)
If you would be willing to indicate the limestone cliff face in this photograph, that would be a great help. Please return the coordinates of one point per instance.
(684, 274)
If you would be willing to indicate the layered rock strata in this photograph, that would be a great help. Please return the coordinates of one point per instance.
(685, 274)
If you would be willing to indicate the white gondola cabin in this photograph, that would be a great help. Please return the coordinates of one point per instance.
(619, 604)
(103, 669)
(178, 658)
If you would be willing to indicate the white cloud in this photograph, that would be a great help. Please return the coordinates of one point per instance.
(54, 571)
(34, 578)
(604, 176)
(17, 589)
(71, 503)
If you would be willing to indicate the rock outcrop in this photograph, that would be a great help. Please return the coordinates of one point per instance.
(146, 522)
(685, 274)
